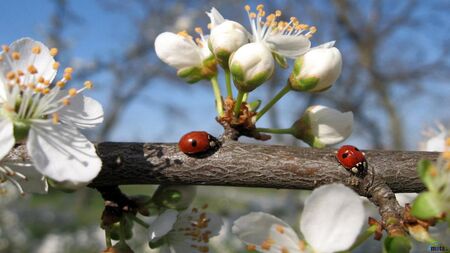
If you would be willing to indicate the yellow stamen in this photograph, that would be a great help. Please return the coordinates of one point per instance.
(252, 15)
(247, 7)
(53, 51)
(284, 250)
(183, 34)
(251, 247)
(45, 91)
(67, 76)
(11, 75)
(55, 118)
(41, 79)
(20, 72)
(32, 69)
(199, 30)
(15, 56)
(46, 82)
(36, 50)
(267, 244)
(68, 70)
(312, 29)
(88, 84)
(60, 84)
(260, 7)
(280, 229)
(55, 65)
(66, 101)
(72, 92)
(209, 26)
(5, 48)
(446, 155)
(278, 13)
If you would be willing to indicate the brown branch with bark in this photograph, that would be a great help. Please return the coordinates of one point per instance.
(255, 165)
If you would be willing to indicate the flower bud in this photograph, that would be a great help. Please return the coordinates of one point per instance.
(193, 61)
(66, 186)
(174, 197)
(316, 70)
(251, 65)
(225, 39)
(322, 126)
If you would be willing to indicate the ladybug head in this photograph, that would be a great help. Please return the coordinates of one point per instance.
(351, 158)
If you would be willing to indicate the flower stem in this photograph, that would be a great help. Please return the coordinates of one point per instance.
(275, 99)
(228, 83)
(237, 106)
(108, 238)
(139, 221)
(275, 130)
(244, 99)
(217, 95)
(122, 230)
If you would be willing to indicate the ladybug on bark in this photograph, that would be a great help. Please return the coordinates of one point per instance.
(197, 142)
(352, 159)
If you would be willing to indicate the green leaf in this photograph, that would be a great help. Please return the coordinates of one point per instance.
(424, 168)
(427, 205)
(397, 244)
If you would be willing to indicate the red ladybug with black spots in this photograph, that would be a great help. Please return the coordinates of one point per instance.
(351, 158)
(197, 142)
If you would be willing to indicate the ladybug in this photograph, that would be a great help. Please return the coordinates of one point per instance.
(197, 142)
(352, 158)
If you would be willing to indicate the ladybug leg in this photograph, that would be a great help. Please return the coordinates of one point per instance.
(355, 170)
(212, 144)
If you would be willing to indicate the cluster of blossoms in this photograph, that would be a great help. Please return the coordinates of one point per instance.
(331, 221)
(44, 116)
(249, 58)
(174, 228)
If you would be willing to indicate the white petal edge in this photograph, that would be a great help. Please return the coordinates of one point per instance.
(162, 225)
(62, 153)
(289, 46)
(256, 227)
(6, 136)
(332, 218)
(83, 112)
(216, 17)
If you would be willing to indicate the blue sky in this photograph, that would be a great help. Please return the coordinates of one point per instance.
(104, 33)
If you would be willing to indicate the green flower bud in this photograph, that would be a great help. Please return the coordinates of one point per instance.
(174, 197)
(251, 65)
(321, 126)
(316, 70)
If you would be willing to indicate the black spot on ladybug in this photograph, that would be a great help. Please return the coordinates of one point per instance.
(193, 143)
(344, 155)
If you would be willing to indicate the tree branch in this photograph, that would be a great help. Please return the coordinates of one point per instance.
(248, 165)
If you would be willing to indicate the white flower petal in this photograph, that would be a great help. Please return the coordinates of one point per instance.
(43, 61)
(216, 17)
(177, 51)
(6, 136)
(260, 228)
(332, 218)
(62, 153)
(228, 36)
(330, 126)
(162, 225)
(404, 198)
(328, 44)
(288, 45)
(83, 112)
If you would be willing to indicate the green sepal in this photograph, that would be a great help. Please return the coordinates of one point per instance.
(60, 186)
(281, 60)
(301, 129)
(248, 85)
(298, 64)
(303, 84)
(21, 130)
(424, 169)
(171, 197)
(254, 105)
(397, 244)
(427, 205)
(222, 57)
(191, 75)
(114, 230)
(157, 244)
